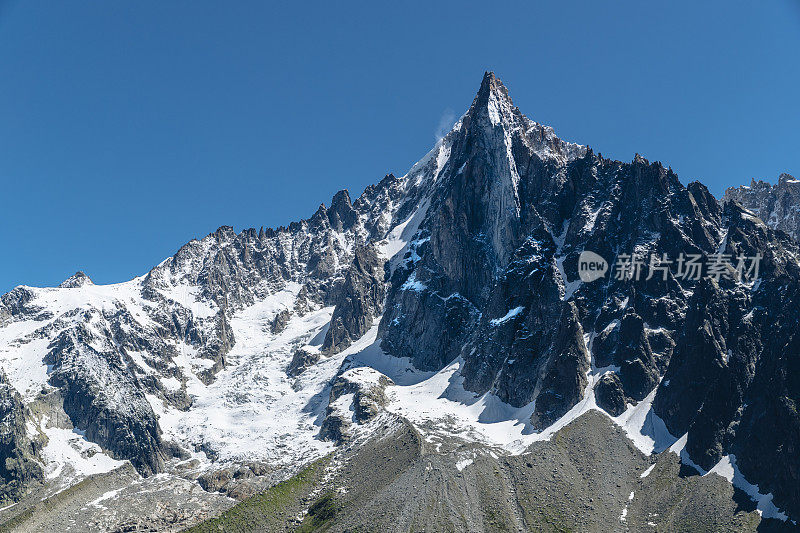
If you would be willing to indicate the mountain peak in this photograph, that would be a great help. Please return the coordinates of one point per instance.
(493, 108)
(79, 279)
(491, 85)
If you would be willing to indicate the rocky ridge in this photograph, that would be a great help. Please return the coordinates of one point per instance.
(778, 205)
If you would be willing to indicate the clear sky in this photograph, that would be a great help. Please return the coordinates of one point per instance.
(129, 128)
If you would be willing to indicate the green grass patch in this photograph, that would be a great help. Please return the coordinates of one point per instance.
(320, 514)
(270, 510)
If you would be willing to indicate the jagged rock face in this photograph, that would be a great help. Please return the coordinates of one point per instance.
(281, 321)
(733, 382)
(516, 351)
(777, 205)
(475, 222)
(218, 344)
(18, 466)
(514, 209)
(18, 303)
(302, 359)
(491, 277)
(103, 400)
(88, 356)
(360, 300)
(236, 270)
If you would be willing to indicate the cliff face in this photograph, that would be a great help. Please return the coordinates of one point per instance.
(19, 469)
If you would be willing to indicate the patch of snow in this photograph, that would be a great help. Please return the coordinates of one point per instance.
(463, 463)
(644, 427)
(253, 410)
(622, 517)
(728, 469)
(171, 383)
(412, 284)
(23, 361)
(70, 456)
(106, 496)
(343, 406)
(399, 369)
(188, 296)
(440, 404)
(508, 316)
(397, 240)
(139, 360)
(569, 286)
(723, 242)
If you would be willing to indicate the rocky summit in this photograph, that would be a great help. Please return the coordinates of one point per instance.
(777, 205)
(429, 357)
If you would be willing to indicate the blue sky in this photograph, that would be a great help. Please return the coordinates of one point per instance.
(129, 128)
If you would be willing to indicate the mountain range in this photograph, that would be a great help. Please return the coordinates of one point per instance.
(428, 357)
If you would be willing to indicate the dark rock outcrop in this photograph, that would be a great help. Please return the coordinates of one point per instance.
(492, 274)
(103, 400)
(280, 321)
(18, 303)
(19, 467)
(341, 214)
(302, 359)
(360, 300)
(357, 396)
(216, 347)
(609, 394)
(733, 383)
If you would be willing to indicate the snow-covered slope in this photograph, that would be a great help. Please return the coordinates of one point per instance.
(188, 363)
